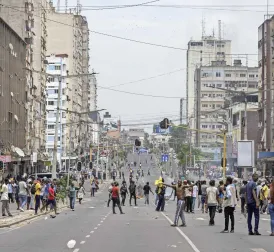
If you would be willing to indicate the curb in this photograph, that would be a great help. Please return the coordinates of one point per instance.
(26, 219)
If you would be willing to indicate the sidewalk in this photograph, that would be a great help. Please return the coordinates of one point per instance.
(19, 217)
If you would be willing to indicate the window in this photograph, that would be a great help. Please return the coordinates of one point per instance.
(219, 126)
(51, 126)
(205, 75)
(196, 43)
(219, 85)
(218, 74)
(50, 67)
(227, 75)
(242, 75)
(50, 138)
(218, 105)
(51, 79)
(204, 126)
(57, 67)
(56, 91)
(50, 91)
(204, 105)
(50, 102)
(213, 126)
(205, 85)
(252, 76)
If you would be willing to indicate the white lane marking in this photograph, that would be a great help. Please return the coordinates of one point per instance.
(95, 227)
(184, 235)
(92, 207)
(200, 219)
(82, 242)
(101, 221)
(76, 250)
(258, 250)
(87, 236)
(99, 224)
(71, 244)
(265, 219)
(91, 232)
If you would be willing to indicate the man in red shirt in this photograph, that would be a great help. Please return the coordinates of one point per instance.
(51, 200)
(115, 197)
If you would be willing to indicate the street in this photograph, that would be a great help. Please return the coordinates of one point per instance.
(94, 228)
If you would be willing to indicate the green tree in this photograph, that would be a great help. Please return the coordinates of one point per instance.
(184, 153)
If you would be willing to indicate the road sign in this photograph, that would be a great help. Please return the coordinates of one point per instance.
(165, 157)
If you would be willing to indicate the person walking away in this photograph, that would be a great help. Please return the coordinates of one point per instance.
(188, 197)
(93, 188)
(115, 198)
(10, 191)
(161, 190)
(109, 193)
(212, 201)
(5, 198)
(221, 196)
(253, 205)
(203, 196)
(123, 192)
(147, 189)
(264, 197)
(230, 201)
(242, 196)
(81, 193)
(37, 195)
(51, 201)
(199, 194)
(195, 191)
(72, 196)
(23, 194)
(180, 193)
(132, 191)
(271, 207)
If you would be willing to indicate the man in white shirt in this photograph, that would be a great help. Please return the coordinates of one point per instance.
(5, 198)
(194, 196)
(212, 201)
(23, 194)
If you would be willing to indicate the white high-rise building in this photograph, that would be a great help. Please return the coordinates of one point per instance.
(202, 53)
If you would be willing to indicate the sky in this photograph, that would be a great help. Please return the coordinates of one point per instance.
(119, 61)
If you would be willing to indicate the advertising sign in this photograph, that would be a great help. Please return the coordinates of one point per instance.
(110, 124)
(246, 153)
(158, 130)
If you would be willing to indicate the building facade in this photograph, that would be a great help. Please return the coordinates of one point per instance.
(215, 85)
(13, 99)
(28, 19)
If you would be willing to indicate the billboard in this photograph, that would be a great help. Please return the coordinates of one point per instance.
(158, 130)
(110, 124)
(246, 153)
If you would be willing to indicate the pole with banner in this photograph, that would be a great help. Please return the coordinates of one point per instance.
(33, 163)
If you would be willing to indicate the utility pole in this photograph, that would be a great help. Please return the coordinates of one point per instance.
(181, 110)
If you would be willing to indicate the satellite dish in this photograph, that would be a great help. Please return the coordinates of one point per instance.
(16, 118)
(11, 46)
(11, 93)
(19, 152)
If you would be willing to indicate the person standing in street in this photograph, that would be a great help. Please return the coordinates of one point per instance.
(5, 198)
(147, 189)
(180, 193)
(230, 201)
(50, 200)
(115, 198)
(81, 193)
(10, 191)
(72, 196)
(161, 191)
(195, 191)
(109, 193)
(271, 207)
(23, 194)
(264, 197)
(242, 196)
(212, 201)
(253, 205)
(132, 191)
(123, 192)
(203, 196)
(37, 195)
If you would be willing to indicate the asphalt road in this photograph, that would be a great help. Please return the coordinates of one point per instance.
(94, 228)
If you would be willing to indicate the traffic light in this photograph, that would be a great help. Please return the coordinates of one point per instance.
(164, 124)
(222, 162)
(79, 166)
(137, 142)
(90, 165)
(1, 165)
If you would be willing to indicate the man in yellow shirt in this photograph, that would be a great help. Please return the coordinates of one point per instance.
(263, 197)
(37, 195)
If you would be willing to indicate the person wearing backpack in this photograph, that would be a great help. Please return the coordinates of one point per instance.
(132, 191)
(123, 192)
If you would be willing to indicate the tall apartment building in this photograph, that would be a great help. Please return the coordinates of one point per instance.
(68, 34)
(28, 19)
(202, 53)
(57, 65)
(212, 84)
(12, 96)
